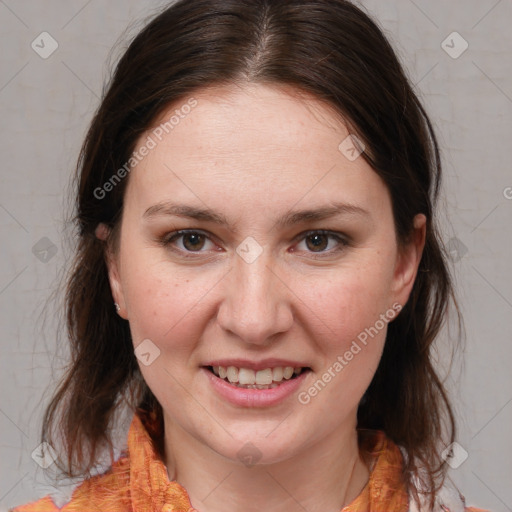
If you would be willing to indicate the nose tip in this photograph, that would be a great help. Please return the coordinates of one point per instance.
(255, 306)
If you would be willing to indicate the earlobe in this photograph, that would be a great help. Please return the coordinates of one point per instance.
(408, 260)
(116, 287)
(102, 232)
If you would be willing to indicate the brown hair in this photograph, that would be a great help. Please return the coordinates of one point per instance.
(334, 51)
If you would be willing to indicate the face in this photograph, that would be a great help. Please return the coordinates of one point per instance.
(250, 240)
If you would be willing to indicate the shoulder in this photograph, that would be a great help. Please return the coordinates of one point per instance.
(109, 491)
(45, 504)
(387, 489)
(448, 498)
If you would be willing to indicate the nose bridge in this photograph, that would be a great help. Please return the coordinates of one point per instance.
(254, 306)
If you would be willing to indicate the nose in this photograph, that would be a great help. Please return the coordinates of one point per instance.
(256, 302)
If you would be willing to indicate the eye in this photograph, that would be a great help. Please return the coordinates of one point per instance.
(323, 242)
(189, 241)
(316, 242)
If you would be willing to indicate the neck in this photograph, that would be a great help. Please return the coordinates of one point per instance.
(323, 477)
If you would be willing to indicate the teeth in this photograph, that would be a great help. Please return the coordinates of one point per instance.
(288, 372)
(277, 374)
(246, 377)
(257, 386)
(232, 374)
(264, 376)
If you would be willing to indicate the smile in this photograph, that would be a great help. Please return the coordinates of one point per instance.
(248, 378)
(255, 395)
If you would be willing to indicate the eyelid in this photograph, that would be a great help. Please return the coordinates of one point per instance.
(327, 232)
(342, 240)
(167, 238)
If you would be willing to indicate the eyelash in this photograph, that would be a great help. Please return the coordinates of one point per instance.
(168, 240)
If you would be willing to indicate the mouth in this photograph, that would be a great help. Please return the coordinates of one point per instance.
(246, 378)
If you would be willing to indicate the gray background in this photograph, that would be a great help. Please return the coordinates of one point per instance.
(46, 105)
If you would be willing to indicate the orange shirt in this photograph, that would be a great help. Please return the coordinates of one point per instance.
(138, 482)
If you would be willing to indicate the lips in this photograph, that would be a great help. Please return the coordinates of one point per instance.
(261, 379)
(254, 395)
(256, 365)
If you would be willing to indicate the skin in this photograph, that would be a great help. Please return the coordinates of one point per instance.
(254, 153)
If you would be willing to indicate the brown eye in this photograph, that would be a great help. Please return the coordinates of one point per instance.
(322, 243)
(317, 242)
(193, 241)
(188, 241)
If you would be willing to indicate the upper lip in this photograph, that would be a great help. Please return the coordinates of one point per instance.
(256, 365)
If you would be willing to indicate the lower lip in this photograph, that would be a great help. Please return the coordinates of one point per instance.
(243, 397)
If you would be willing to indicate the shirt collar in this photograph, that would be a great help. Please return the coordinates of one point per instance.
(150, 485)
(385, 489)
(149, 481)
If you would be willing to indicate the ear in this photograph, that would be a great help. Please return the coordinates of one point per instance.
(408, 261)
(103, 232)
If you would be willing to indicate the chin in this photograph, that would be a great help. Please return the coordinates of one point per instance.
(258, 447)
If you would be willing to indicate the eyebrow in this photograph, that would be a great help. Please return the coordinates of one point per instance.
(288, 219)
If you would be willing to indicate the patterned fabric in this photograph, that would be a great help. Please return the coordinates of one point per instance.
(138, 482)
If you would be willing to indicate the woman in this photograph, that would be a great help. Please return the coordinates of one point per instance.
(256, 197)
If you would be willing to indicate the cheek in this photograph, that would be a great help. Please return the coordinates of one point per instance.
(164, 304)
(346, 302)
(168, 307)
(349, 343)
(351, 311)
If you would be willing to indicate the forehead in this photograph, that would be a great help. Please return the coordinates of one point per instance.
(253, 144)
(232, 120)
